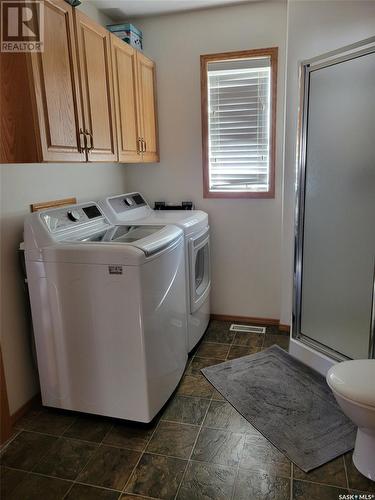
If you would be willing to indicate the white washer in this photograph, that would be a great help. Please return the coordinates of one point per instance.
(132, 207)
(109, 311)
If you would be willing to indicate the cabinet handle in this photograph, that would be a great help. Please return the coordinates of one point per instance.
(144, 145)
(81, 148)
(89, 148)
(139, 148)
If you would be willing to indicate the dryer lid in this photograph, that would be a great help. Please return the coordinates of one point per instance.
(132, 207)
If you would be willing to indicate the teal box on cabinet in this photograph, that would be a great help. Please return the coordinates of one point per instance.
(129, 33)
(73, 3)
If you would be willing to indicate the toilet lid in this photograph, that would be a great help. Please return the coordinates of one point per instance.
(354, 380)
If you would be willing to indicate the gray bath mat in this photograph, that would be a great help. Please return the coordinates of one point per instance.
(288, 402)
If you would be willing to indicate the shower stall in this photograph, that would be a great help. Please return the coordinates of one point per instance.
(333, 312)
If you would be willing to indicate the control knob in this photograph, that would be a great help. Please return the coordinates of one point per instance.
(129, 202)
(73, 215)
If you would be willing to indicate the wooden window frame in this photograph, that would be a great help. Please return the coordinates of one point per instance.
(271, 52)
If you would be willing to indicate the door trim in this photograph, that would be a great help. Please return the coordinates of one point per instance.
(6, 423)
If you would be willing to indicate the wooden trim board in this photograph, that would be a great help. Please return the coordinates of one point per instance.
(253, 320)
(245, 319)
(33, 402)
(35, 207)
(5, 419)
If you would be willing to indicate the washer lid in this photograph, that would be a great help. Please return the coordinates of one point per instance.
(354, 380)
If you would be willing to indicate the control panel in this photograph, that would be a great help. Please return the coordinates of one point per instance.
(121, 204)
(68, 217)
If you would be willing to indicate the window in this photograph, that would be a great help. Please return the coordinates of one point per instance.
(238, 123)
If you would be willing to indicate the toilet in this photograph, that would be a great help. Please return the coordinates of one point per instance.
(353, 385)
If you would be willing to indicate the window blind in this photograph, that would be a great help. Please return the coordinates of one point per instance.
(238, 125)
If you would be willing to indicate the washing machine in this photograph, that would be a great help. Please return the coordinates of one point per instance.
(133, 208)
(109, 311)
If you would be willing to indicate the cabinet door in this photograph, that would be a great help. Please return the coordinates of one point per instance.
(55, 84)
(126, 100)
(95, 65)
(147, 94)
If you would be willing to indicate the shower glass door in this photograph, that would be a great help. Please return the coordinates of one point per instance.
(335, 245)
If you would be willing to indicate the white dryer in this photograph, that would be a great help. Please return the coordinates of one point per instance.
(133, 208)
(109, 311)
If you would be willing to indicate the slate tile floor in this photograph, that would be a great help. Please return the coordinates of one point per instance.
(198, 448)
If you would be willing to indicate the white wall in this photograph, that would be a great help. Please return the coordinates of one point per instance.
(246, 234)
(90, 10)
(313, 28)
(20, 186)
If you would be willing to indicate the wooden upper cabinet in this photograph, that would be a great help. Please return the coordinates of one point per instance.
(18, 136)
(147, 103)
(90, 96)
(56, 88)
(126, 101)
(94, 57)
(41, 113)
(135, 103)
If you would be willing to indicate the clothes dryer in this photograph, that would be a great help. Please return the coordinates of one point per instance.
(132, 208)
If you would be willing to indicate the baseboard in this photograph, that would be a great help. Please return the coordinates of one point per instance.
(34, 401)
(245, 319)
(249, 319)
